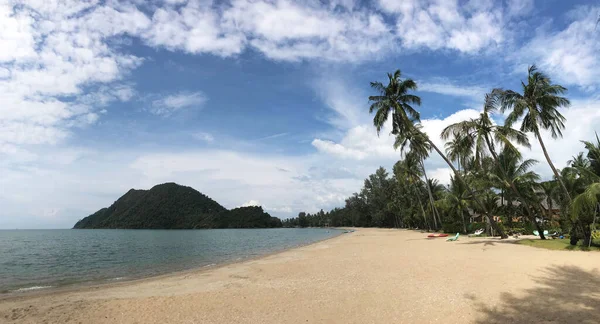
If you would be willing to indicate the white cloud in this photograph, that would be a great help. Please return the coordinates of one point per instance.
(475, 93)
(292, 30)
(519, 7)
(51, 51)
(441, 174)
(570, 55)
(339, 150)
(250, 203)
(194, 28)
(346, 106)
(268, 137)
(167, 105)
(284, 209)
(203, 136)
(442, 24)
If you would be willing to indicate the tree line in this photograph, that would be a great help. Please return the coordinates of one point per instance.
(492, 184)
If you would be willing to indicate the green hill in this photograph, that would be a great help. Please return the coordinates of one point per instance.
(172, 206)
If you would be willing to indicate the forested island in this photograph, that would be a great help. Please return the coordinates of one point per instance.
(173, 206)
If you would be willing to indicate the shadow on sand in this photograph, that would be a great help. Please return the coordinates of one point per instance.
(564, 294)
(487, 242)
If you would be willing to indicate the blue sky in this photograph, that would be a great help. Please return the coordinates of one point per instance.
(256, 102)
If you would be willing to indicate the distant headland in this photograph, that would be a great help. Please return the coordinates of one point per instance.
(173, 206)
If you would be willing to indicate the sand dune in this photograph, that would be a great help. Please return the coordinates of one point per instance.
(370, 276)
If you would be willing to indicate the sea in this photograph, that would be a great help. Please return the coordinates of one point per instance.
(46, 259)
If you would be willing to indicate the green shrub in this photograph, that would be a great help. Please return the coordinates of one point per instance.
(452, 228)
(516, 230)
(554, 224)
(528, 228)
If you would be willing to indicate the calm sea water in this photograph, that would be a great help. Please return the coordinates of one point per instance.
(38, 259)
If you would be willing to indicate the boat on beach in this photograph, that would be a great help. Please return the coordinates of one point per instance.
(433, 235)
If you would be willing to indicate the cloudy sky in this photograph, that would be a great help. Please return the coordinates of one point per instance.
(256, 101)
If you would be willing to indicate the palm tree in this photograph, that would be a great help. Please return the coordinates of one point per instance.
(587, 203)
(394, 99)
(419, 149)
(410, 170)
(459, 149)
(513, 172)
(593, 154)
(548, 191)
(485, 133)
(538, 108)
(458, 200)
(579, 161)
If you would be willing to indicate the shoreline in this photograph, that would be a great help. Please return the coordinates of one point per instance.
(115, 282)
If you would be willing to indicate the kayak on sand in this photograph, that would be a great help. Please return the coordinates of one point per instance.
(437, 235)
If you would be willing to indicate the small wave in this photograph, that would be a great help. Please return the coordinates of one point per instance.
(116, 279)
(31, 288)
(209, 265)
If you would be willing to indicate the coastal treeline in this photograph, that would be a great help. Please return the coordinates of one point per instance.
(172, 206)
(492, 184)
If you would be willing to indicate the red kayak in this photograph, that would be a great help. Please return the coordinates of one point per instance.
(437, 235)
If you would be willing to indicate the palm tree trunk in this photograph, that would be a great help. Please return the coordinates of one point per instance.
(435, 226)
(422, 209)
(492, 150)
(462, 217)
(558, 177)
(477, 201)
(430, 196)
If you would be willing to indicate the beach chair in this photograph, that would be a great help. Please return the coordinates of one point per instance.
(452, 239)
(477, 232)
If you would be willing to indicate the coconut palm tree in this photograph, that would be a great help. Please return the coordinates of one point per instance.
(485, 133)
(549, 193)
(579, 161)
(512, 172)
(419, 149)
(593, 154)
(459, 149)
(395, 99)
(587, 204)
(457, 199)
(410, 170)
(538, 107)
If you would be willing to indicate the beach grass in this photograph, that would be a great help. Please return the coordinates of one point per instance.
(558, 244)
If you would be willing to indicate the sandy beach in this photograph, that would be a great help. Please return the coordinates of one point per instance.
(369, 276)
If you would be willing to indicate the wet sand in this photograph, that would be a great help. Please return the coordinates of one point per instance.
(369, 276)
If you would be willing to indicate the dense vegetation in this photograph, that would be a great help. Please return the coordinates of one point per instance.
(492, 184)
(172, 206)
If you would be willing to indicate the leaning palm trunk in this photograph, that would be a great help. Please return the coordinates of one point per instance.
(586, 234)
(528, 208)
(477, 201)
(558, 177)
(431, 197)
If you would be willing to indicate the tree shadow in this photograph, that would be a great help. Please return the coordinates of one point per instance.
(491, 242)
(564, 294)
